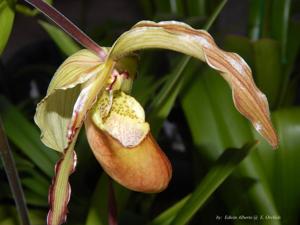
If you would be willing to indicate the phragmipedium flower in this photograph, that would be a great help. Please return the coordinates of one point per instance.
(92, 88)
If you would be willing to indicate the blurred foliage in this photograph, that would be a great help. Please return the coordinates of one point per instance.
(191, 112)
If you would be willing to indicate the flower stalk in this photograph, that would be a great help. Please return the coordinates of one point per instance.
(69, 27)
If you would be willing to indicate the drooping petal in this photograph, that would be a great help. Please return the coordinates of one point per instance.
(54, 112)
(143, 168)
(60, 189)
(248, 99)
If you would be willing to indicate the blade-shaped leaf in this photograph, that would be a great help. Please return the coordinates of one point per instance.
(271, 70)
(68, 27)
(215, 125)
(165, 99)
(280, 23)
(26, 137)
(6, 23)
(242, 45)
(293, 46)
(197, 7)
(169, 214)
(183, 211)
(98, 212)
(163, 102)
(256, 19)
(283, 165)
(13, 176)
(61, 39)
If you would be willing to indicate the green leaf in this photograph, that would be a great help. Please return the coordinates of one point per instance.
(8, 216)
(215, 125)
(144, 87)
(13, 176)
(163, 102)
(98, 212)
(215, 14)
(169, 214)
(34, 199)
(293, 43)
(196, 7)
(242, 45)
(268, 73)
(61, 39)
(210, 113)
(293, 46)
(24, 135)
(256, 19)
(280, 23)
(37, 183)
(6, 23)
(283, 165)
(27, 11)
(162, 5)
(223, 167)
(174, 7)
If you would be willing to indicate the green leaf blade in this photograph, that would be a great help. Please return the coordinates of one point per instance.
(223, 167)
(26, 137)
(269, 71)
(61, 39)
(6, 23)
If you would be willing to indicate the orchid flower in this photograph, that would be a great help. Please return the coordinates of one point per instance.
(92, 87)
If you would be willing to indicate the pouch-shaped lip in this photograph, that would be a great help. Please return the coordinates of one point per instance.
(143, 168)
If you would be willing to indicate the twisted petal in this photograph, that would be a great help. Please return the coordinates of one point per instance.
(248, 99)
(60, 189)
(59, 193)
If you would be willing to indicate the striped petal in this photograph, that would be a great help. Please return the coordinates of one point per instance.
(60, 191)
(53, 113)
(176, 36)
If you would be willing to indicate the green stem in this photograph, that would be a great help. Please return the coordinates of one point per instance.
(13, 177)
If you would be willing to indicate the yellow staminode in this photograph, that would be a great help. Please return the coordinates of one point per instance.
(122, 117)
